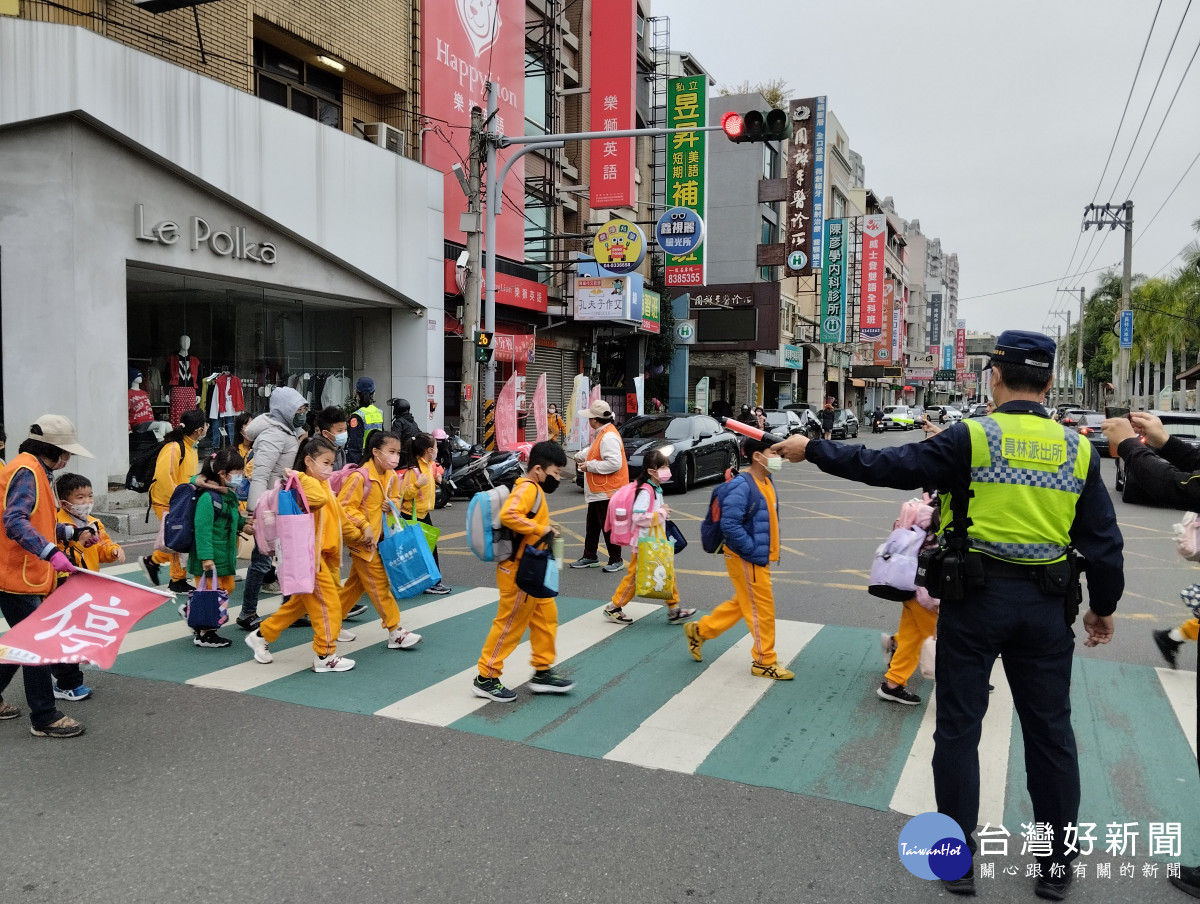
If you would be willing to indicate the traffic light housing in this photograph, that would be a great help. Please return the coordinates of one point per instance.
(483, 346)
(756, 125)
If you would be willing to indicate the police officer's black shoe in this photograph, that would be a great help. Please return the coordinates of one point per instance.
(1188, 880)
(1052, 889)
(964, 886)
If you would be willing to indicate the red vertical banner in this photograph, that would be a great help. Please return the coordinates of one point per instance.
(883, 346)
(464, 44)
(506, 415)
(960, 346)
(613, 102)
(539, 410)
(870, 308)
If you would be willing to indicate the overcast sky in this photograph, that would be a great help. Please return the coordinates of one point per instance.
(988, 123)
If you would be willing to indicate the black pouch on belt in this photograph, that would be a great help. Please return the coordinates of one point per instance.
(1055, 578)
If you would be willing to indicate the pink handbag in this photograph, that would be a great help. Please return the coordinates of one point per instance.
(296, 544)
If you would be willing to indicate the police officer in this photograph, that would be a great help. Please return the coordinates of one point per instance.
(1032, 490)
(365, 419)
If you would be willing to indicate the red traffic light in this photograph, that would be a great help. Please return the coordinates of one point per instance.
(733, 126)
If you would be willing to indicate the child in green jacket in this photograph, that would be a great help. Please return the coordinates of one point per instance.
(217, 523)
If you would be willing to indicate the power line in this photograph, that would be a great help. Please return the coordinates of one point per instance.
(1164, 204)
(1032, 285)
(1150, 102)
(1164, 120)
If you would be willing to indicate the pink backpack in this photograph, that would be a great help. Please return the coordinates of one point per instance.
(266, 511)
(619, 521)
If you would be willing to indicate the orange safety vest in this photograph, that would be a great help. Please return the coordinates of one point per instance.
(21, 572)
(606, 483)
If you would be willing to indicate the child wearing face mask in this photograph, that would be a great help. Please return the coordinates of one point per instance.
(90, 547)
(555, 425)
(648, 511)
(527, 515)
(177, 463)
(323, 607)
(368, 496)
(420, 490)
(217, 521)
(750, 523)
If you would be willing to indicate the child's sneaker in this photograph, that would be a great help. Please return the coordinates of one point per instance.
(152, 570)
(694, 641)
(76, 693)
(8, 711)
(402, 640)
(548, 681)
(345, 636)
(180, 586)
(617, 614)
(66, 727)
(897, 694)
(1168, 647)
(777, 672)
(492, 689)
(210, 639)
(258, 643)
(355, 611)
(678, 615)
(332, 663)
(248, 622)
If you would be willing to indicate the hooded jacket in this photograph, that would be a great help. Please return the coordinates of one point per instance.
(274, 440)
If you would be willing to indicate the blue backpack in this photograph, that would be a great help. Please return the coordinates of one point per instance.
(179, 525)
(712, 538)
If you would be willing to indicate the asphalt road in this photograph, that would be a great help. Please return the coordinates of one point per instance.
(186, 794)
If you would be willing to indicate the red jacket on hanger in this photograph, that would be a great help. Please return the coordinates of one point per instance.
(235, 391)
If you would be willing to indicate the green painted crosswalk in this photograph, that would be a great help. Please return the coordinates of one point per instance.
(641, 699)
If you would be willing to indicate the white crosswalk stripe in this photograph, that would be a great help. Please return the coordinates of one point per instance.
(681, 734)
(451, 699)
(1180, 688)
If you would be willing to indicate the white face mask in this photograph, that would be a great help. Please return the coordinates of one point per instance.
(774, 464)
(79, 511)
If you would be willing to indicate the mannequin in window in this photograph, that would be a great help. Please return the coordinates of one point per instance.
(141, 415)
(225, 404)
(183, 376)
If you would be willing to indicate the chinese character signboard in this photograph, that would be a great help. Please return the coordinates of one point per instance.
(935, 319)
(510, 290)
(960, 346)
(899, 309)
(601, 298)
(679, 231)
(1126, 329)
(651, 301)
(84, 620)
(883, 348)
(806, 186)
(612, 101)
(687, 105)
(791, 356)
(833, 284)
(870, 310)
(947, 357)
(461, 43)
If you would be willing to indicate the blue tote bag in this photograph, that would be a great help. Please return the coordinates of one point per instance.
(406, 558)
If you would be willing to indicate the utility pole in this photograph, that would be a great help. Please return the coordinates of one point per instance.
(469, 396)
(1079, 343)
(1112, 216)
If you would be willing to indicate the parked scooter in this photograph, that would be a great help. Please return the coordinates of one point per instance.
(504, 468)
(469, 478)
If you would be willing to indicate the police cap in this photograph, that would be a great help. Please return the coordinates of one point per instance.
(1024, 347)
(364, 384)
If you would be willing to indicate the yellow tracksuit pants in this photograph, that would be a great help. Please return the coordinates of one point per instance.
(916, 623)
(1190, 629)
(518, 611)
(323, 607)
(178, 572)
(371, 577)
(627, 589)
(752, 601)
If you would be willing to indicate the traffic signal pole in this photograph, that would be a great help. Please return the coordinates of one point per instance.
(494, 196)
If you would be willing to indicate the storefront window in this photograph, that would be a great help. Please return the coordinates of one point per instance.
(264, 336)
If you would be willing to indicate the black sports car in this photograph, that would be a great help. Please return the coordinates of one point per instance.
(695, 444)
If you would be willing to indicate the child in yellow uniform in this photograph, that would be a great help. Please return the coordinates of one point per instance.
(177, 463)
(648, 511)
(527, 515)
(750, 523)
(323, 605)
(367, 498)
(420, 491)
(90, 547)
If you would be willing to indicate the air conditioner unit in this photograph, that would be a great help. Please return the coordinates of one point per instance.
(781, 376)
(385, 136)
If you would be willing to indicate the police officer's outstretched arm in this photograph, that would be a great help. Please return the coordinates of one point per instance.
(911, 466)
(1096, 535)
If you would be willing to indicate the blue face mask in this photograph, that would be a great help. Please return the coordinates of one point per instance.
(340, 439)
(234, 481)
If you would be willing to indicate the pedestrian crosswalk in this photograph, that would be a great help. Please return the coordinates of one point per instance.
(641, 699)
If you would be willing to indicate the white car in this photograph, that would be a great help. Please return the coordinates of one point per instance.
(943, 414)
(899, 417)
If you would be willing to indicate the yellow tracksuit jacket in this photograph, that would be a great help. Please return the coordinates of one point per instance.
(170, 472)
(103, 551)
(366, 568)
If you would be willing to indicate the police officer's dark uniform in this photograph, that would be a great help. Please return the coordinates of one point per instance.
(1033, 489)
(363, 420)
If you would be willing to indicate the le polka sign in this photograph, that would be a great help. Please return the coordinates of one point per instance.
(223, 241)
